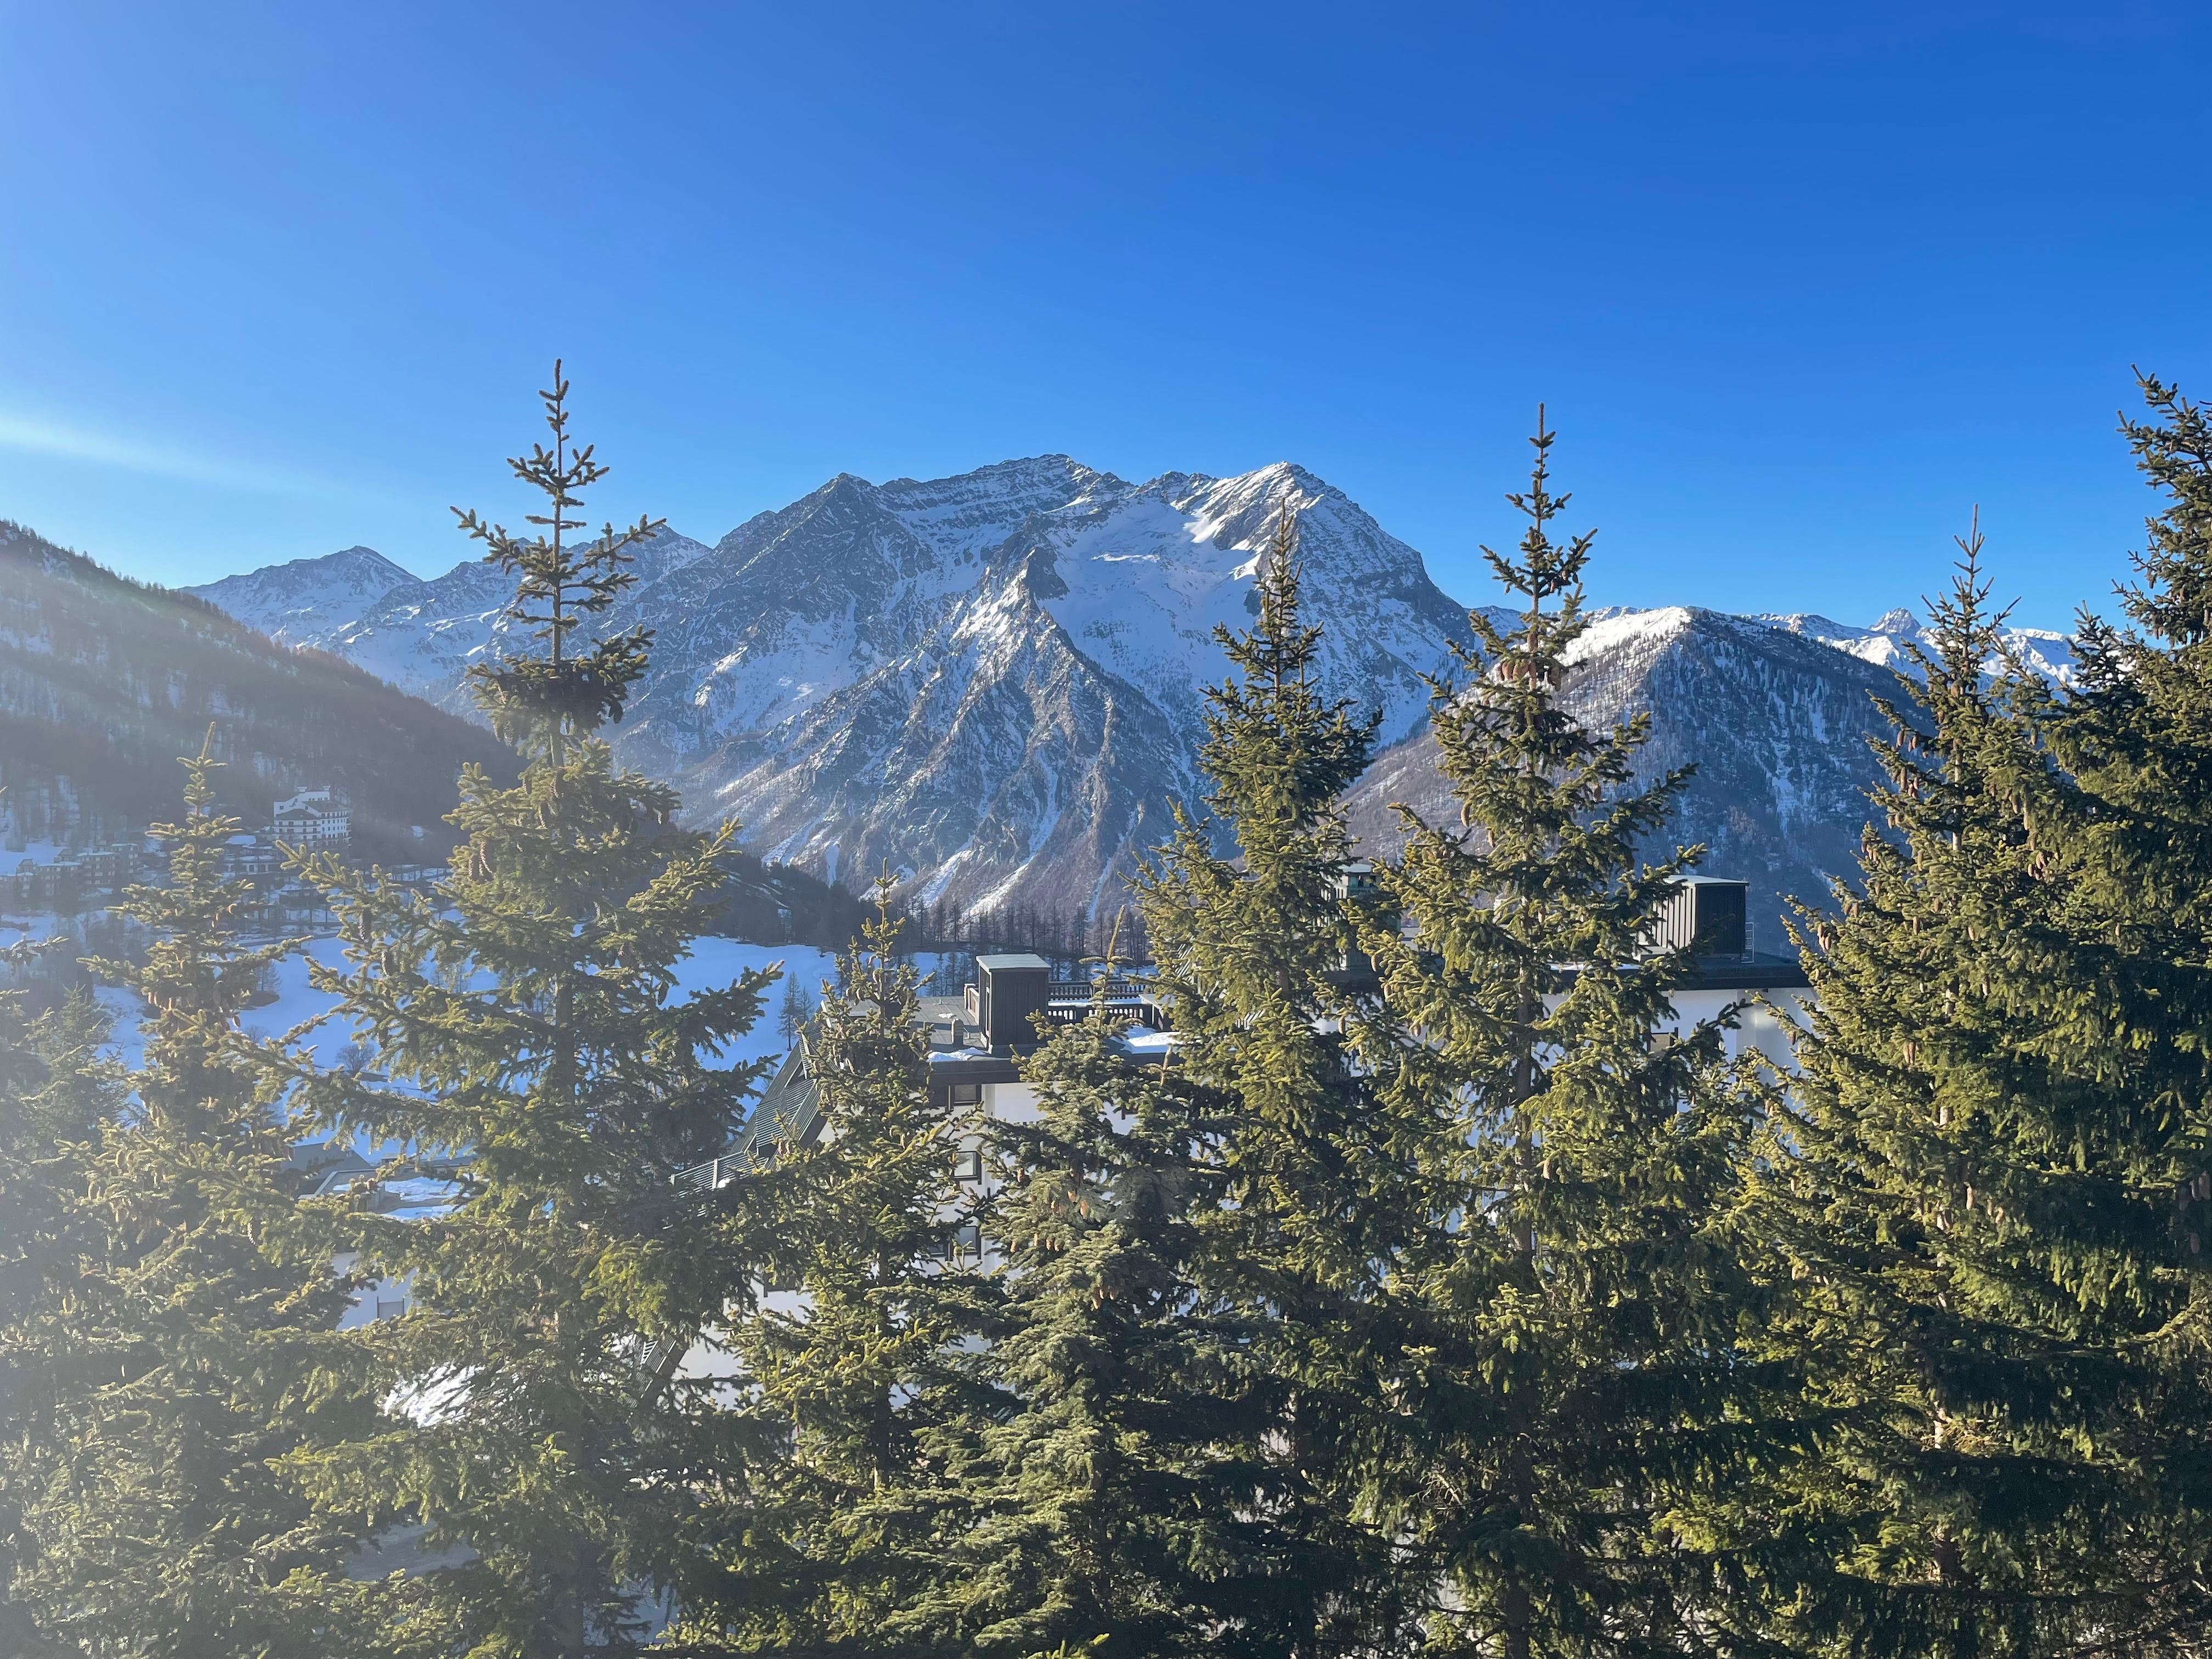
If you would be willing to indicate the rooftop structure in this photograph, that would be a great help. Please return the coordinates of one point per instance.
(978, 1038)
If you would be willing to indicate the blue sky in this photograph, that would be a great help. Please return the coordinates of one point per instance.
(1800, 284)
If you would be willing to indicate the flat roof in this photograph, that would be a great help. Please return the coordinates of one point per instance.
(1023, 959)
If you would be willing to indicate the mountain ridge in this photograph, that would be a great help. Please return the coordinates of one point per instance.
(104, 681)
(990, 683)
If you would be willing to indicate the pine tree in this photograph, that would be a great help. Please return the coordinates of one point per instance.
(189, 1349)
(1576, 1380)
(526, 1014)
(792, 1015)
(857, 1386)
(1250, 951)
(1109, 1505)
(1994, 1201)
(56, 1093)
(2137, 734)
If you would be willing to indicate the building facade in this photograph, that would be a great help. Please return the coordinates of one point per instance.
(315, 820)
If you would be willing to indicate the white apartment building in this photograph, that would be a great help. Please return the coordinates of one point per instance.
(319, 820)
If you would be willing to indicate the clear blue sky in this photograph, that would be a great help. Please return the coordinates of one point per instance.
(1801, 284)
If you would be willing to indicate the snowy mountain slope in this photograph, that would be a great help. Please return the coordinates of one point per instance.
(420, 634)
(2041, 651)
(993, 684)
(990, 682)
(304, 602)
(1776, 721)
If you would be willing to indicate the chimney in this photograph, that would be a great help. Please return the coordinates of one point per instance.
(1010, 990)
(1707, 911)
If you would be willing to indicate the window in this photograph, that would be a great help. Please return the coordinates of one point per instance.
(969, 1166)
(964, 1243)
(967, 1094)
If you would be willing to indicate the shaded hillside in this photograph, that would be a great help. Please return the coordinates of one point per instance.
(104, 681)
(1776, 722)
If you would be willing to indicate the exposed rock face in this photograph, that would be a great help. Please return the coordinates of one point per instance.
(992, 683)
(1777, 724)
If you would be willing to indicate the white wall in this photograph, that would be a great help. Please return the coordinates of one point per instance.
(1760, 1020)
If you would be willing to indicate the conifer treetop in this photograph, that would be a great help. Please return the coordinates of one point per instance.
(539, 701)
(1956, 689)
(2173, 449)
(196, 977)
(1544, 571)
(1273, 703)
(1546, 798)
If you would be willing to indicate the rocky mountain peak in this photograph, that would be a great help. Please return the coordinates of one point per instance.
(296, 602)
(994, 680)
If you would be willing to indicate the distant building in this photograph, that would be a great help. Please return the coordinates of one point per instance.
(318, 820)
(977, 1039)
(251, 858)
(73, 877)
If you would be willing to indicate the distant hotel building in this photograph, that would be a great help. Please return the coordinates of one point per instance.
(316, 820)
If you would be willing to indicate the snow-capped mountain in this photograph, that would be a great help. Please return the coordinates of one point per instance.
(421, 635)
(304, 602)
(992, 683)
(1775, 719)
(2039, 650)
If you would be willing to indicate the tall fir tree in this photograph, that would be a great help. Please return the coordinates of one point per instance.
(1577, 1386)
(192, 1351)
(794, 1011)
(2137, 734)
(527, 1015)
(57, 1091)
(1250, 948)
(1995, 1190)
(856, 1385)
(1109, 1508)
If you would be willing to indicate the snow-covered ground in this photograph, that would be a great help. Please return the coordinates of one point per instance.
(714, 961)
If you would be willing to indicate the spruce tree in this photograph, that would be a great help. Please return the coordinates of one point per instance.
(526, 1014)
(1575, 1386)
(1251, 947)
(187, 1349)
(56, 1091)
(792, 1014)
(2137, 734)
(856, 1391)
(1999, 1148)
(1108, 1505)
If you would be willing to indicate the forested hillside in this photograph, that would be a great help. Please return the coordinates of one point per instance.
(104, 681)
